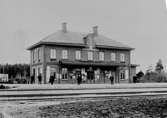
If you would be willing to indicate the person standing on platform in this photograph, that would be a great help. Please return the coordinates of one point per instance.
(51, 80)
(79, 79)
(32, 79)
(40, 78)
(111, 77)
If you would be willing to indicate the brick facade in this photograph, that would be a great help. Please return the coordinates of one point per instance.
(65, 70)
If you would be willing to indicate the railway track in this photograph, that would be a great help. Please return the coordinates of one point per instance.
(65, 94)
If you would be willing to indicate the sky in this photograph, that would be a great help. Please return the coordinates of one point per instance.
(141, 24)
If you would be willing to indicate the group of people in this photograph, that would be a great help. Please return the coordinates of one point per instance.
(79, 78)
(111, 78)
(32, 79)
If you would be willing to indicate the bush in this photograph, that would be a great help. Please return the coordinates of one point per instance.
(134, 107)
(2, 86)
(155, 77)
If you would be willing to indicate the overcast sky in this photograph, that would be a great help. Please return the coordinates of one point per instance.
(141, 24)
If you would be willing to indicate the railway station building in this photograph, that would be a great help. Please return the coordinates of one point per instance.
(66, 53)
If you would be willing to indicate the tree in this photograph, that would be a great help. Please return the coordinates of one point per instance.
(159, 66)
(140, 74)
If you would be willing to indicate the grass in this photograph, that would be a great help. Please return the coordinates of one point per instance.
(126, 107)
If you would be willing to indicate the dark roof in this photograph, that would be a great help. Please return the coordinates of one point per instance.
(76, 39)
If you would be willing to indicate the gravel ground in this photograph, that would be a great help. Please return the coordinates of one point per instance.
(126, 107)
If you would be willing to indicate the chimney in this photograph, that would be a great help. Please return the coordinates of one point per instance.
(95, 30)
(64, 27)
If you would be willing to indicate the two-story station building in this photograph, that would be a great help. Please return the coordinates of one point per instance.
(65, 53)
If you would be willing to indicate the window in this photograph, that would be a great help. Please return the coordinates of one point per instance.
(39, 56)
(53, 54)
(33, 56)
(113, 56)
(78, 55)
(90, 55)
(122, 57)
(122, 75)
(64, 54)
(101, 56)
(36, 54)
(39, 70)
(126, 74)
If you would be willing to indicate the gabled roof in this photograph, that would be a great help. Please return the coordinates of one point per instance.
(77, 39)
(65, 37)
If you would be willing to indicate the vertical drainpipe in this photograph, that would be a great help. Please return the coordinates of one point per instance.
(129, 66)
(117, 74)
(130, 78)
(31, 61)
(59, 68)
(44, 63)
(59, 73)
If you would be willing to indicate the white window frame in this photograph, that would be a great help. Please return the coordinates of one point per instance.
(122, 75)
(126, 74)
(113, 56)
(77, 54)
(90, 55)
(122, 57)
(64, 54)
(52, 53)
(101, 56)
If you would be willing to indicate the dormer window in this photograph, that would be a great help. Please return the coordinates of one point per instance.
(90, 44)
(89, 41)
(85, 40)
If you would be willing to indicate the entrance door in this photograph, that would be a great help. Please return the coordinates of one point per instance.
(33, 71)
(47, 74)
(90, 74)
(64, 73)
(34, 74)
